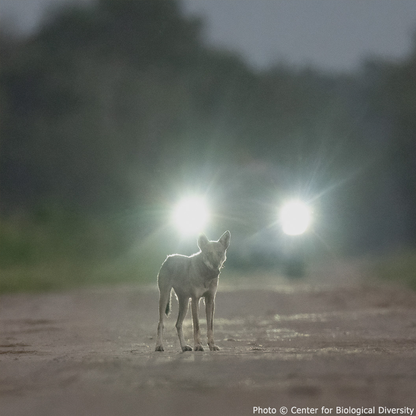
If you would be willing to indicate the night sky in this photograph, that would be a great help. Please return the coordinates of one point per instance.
(331, 35)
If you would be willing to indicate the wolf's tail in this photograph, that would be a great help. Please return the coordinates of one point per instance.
(169, 304)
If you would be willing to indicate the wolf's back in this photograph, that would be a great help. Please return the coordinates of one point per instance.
(174, 265)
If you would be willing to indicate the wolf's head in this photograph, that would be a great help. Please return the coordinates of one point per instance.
(214, 252)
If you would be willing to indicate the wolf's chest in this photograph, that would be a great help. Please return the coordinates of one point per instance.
(201, 289)
(200, 292)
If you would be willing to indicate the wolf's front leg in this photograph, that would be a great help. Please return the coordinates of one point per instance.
(209, 308)
(197, 339)
(183, 310)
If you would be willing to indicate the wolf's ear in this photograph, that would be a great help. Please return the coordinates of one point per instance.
(202, 241)
(225, 239)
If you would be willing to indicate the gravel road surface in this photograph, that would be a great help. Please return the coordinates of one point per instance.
(302, 345)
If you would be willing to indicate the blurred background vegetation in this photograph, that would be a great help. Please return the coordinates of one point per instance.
(112, 109)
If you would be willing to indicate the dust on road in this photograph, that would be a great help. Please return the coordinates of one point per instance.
(307, 343)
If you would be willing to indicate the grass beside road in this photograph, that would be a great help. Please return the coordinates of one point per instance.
(64, 251)
(397, 267)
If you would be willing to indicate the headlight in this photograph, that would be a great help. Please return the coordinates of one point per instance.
(295, 217)
(191, 215)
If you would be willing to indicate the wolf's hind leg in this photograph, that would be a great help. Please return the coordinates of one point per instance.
(164, 300)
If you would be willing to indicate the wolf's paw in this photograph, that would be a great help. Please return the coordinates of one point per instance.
(213, 347)
(198, 348)
(159, 348)
(186, 348)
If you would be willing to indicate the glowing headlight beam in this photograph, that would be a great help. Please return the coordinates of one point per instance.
(191, 215)
(295, 217)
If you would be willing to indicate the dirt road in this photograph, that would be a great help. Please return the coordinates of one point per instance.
(302, 345)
